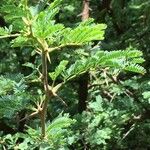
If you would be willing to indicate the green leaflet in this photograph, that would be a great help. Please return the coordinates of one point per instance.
(20, 41)
(3, 31)
(59, 69)
(59, 123)
(55, 4)
(6, 85)
(12, 95)
(135, 68)
(43, 27)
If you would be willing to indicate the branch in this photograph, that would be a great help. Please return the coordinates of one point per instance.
(31, 115)
(11, 35)
(63, 46)
(128, 132)
(48, 93)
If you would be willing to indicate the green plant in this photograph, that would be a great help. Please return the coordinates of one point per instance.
(38, 30)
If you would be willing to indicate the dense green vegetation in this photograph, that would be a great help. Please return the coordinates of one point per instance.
(74, 75)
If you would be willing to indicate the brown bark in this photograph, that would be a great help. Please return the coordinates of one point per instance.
(45, 83)
(48, 94)
(105, 4)
(85, 12)
(106, 7)
(83, 81)
(5, 128)
(83, 92)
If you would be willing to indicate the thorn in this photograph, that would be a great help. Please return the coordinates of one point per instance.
(48, 57)
(31, 115)
(62, 100)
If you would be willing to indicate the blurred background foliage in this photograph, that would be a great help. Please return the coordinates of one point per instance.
(117, 114)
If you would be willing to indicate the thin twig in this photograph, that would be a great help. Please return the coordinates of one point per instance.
(63, 46)
(11, 35)
(30, 116)
(127, 133)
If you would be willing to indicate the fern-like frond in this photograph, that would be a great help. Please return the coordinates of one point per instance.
(123, 60)
(43, 25)
(133, 53)
(83, 34)
(13, 14)
(46, 29)
(135, 68)
(138, 60)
